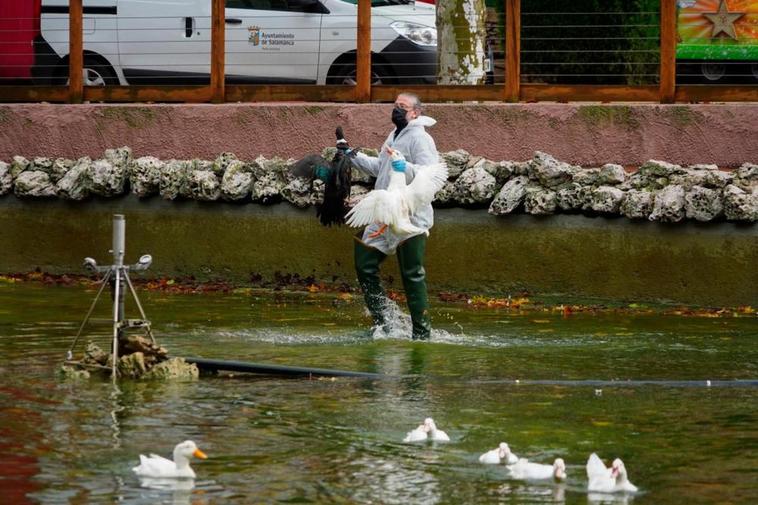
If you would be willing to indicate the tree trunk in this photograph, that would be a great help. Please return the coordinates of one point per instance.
(461, 35)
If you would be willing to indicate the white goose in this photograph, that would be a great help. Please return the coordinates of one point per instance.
(608, 480)
(524, 469)
(501, 454)
(426, 431)
(159, 467)
(393, 206)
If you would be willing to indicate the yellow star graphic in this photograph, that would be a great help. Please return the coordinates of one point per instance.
(723, 20)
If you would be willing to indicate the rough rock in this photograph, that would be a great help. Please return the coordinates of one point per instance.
(42, 164)
(501, 171)
(540, 201)
(520, 167)
(222, 162)
(68, 372)
(106, 178)
(739, 205)
(94, 355)
(570, 196)
(456, 161)
(132, 365)
(657, 168)
(668, 206)
(746, 177)
(145, 175)
(204, 185)
(357, 193)
(607, 199)
(75, 185)
(18, 165)
(510, 196)
(549, 171)
(637, 204)
(174, 368)
(120, 157)
(267, 188)
(237, 181)
(173, 180)
(6, 179)
(59, 168)
(587, 176)
(446, 194)
(703, 204)
(475, 186)
(298, 193)
(611, 175)
(33, 183)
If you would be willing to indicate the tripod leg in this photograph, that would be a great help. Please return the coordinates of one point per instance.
(139, 306)
(116, 323)
(89, 313)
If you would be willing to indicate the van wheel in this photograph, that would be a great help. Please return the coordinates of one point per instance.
(346, 74)
(95, 72)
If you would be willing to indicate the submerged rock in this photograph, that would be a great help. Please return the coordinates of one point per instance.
(703, 204)
(6, 179)
(668, 206)
(174, 368)
(34, 183)
(75, 185)
(145, 175)
(68, 372)
(132, 365)
(510, 196)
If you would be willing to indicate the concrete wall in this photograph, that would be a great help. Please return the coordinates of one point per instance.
(724, 134)
(468, 251)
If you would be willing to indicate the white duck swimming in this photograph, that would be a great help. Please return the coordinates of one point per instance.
(393, 206)
(502, 454)
(524, 469)
(159, 467)
(608, 480)
(426, 431)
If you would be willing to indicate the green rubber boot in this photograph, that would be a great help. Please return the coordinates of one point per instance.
(367, 261)
(410, 256)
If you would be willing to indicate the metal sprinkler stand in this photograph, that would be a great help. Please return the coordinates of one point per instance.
(116, 275)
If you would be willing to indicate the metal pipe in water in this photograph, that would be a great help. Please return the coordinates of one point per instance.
(119, 239)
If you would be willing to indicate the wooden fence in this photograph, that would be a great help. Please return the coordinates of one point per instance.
(513, 89)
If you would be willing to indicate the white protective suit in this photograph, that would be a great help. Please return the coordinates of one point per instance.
(418, 148)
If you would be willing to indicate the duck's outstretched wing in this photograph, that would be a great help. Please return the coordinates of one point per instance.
(596, 468)
(307, 166)
(426, 182)
(379, 206)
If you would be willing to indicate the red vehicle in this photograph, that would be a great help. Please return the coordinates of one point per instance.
(19, 25)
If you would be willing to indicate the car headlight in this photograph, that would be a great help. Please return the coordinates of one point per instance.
(418, 34)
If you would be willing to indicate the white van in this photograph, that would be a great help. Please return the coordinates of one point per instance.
(267, 41)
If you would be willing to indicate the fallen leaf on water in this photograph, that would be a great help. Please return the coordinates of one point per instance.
(601, 423)
(541, 321)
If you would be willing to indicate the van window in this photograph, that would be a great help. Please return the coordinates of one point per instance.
(277, 5)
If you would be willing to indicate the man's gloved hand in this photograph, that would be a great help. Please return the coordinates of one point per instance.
(398, 161)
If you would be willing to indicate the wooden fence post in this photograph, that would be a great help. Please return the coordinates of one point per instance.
(512, 50)
(668, 51)
(75, 52)
(363, 61)
(218, 50)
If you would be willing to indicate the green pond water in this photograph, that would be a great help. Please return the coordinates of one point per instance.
(274, 440)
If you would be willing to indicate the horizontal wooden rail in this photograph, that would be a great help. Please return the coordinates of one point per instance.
(289, 92)
(146, 93)
(588, 93)
(34, 93)
(715, 93)
(439, 93)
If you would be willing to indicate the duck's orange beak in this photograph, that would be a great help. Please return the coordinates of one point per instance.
(199, 454)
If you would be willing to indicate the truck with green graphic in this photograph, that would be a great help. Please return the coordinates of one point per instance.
(717, 41)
